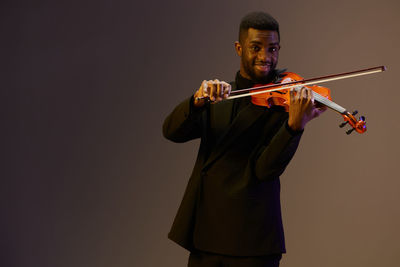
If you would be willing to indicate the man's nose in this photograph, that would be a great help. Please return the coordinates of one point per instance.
(263, 55)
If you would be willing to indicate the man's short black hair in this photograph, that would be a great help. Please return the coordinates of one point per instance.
(258, 21)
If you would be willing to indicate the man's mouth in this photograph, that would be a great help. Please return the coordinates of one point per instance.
(263, 67)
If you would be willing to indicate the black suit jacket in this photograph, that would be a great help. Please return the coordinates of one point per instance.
(231, 205)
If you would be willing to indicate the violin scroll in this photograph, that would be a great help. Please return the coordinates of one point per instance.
(358, 125)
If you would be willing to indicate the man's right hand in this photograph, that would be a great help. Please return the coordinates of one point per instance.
(212, 90)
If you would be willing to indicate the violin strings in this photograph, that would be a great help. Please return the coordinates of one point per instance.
(329, 103)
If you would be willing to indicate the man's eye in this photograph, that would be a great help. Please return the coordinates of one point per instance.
(255, 48)
(273, 49)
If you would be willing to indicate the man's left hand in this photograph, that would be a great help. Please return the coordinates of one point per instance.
(302, 108)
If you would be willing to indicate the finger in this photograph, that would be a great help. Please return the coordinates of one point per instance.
(292, 95)
(297, 91)
(219, 89)
(200, 97)
(212, 90)
(305, 94)
(312, 96)
(227, 90)
(204, 87)
(199, 93)
(308, 94)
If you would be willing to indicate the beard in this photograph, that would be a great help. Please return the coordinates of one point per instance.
(263, 78)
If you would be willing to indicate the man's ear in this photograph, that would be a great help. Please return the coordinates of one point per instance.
(238, 48)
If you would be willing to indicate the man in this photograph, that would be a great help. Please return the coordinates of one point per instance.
(230, 214)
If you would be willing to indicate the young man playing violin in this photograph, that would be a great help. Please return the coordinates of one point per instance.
(230, 214)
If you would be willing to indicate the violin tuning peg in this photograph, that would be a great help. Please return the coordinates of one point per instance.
(355, 112)
(350, 131)
(362, 118)
(343, 124)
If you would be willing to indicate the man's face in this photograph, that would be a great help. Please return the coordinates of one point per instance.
(259, 53)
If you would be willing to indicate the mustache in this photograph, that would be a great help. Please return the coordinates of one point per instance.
(263, 63)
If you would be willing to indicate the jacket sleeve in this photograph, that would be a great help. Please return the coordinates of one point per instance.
(273, 158)
(184, 123)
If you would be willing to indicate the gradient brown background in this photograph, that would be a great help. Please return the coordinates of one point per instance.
(87, 178)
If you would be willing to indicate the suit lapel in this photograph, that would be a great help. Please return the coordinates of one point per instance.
(246, 117)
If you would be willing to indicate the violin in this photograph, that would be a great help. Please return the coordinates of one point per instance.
(278, 94)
